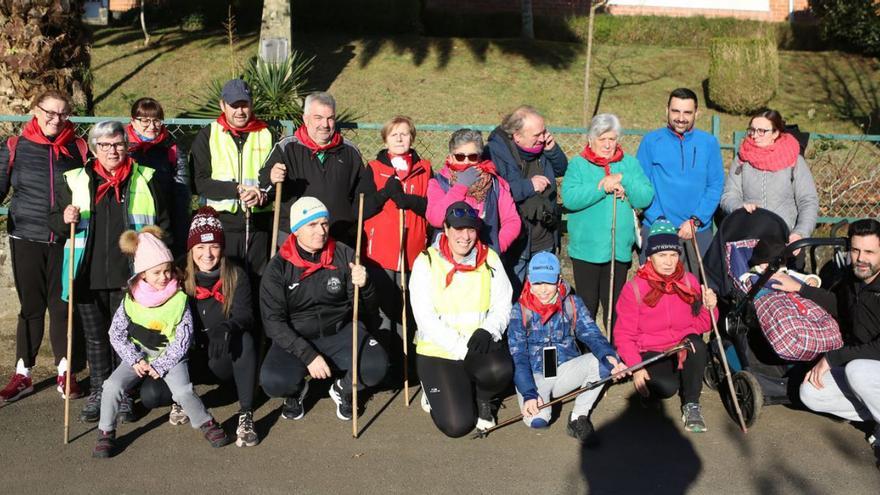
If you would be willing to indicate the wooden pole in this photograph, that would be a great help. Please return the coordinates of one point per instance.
(276, 219)
(69, 334)
(402, 266)
(354, 322)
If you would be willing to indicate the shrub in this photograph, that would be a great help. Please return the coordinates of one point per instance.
(851, 24)
(193, 22)
(743, 73)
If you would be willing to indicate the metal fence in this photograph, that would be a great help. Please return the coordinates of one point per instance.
(846, 167)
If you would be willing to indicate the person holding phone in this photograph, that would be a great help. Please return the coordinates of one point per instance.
(545, 325)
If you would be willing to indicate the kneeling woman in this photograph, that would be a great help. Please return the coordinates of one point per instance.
(306, 300)
(461, 303)
(548, 317)
(657, 309)
(223, 346)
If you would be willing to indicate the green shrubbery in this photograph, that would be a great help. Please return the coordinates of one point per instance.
(851, 24)
(743, 73)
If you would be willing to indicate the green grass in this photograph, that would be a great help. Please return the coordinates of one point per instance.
(475, 81)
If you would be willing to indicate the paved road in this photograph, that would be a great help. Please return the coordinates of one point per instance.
(399, 451)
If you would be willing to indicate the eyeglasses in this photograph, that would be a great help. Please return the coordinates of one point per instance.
(55, 115)
(752, 131)
(144, 121)
(471, 157)
(463, 212)
(106, 146)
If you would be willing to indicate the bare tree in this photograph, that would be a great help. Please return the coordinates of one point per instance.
(594, 4)
(144, 24)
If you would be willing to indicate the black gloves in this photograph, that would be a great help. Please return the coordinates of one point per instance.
(480, 341)
(218, 341)
(393, 188)
(151, 339)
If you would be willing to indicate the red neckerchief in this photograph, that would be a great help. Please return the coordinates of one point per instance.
(203, 293)
(485, 165)
(252, 125)
(136, 144)
(546, 311)
(32, 132)
(303, 135)
(783, 153)
(668, 284)
(112, 181)
(605, 163)
(290, 253)
(482, 254)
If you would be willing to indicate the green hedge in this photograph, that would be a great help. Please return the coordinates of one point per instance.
(743, 74)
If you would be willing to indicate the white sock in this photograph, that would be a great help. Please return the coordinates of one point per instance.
(21, 369)
(62, 366)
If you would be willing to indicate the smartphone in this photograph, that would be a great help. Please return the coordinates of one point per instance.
(550, 362)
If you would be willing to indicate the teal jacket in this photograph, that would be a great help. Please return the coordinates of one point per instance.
(589, 209)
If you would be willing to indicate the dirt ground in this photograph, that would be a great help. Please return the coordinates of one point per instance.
(400, 451)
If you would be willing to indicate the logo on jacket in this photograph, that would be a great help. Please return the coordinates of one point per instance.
(334, 285)
(293, 286)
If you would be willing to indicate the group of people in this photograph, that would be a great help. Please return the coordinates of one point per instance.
(164, 297)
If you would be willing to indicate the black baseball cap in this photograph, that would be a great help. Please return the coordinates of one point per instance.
(236, 90)
(460, 215)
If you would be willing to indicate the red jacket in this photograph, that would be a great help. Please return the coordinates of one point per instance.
(383, 229)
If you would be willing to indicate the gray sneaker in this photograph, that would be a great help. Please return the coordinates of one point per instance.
(126, 410)
(91, 411)
(245, 434)
(692, 417)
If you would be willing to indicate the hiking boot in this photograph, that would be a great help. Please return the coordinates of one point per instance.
(91, 411)
(426, 406)
(214, 434)
(293, 406)
(485, 417)
(106, 445)
(18, 387)
(692, 417)
(342, 400)
(125, 414)
(75, 391)
(176, 416)
(246, 436)
(582, 429)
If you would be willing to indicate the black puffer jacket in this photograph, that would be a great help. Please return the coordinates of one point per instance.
(34, 177)
(295, 310)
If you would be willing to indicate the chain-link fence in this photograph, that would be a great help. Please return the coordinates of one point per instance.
(846, 167)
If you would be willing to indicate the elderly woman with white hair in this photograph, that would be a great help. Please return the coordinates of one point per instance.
(105, 198)
(601, 175)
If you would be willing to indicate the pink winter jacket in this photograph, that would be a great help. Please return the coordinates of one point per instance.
(640, 328)
(439, 201)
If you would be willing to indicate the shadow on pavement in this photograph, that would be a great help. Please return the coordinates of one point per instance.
(642, 451)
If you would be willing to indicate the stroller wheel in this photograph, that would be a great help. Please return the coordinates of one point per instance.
(712, 374)
(748, 394)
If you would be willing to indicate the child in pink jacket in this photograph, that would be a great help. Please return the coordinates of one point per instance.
(467, 177)
(661, 306)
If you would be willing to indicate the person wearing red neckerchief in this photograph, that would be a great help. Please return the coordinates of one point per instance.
(663, 305)
(225, 161)
(769, 172)
(461, 299)
(548, 314)
(318, 162)
(105, 198)
(46, 148)
(306, 302)
(151, 145)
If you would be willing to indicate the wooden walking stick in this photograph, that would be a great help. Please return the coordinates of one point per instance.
(609, 310)
(739, 414)
(354, 323)
(276, 219)
(403, 311)
(69, 335)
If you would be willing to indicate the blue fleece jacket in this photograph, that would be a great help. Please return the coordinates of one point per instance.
(687, 174)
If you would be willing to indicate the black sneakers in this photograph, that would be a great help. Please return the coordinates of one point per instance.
(581, 429)
(692, 417)
(91, 411)
(125, 414)
(293, 406)
(342, 400)
(485, 415)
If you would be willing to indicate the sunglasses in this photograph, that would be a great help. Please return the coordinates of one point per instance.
(471, 157)
(463, 212)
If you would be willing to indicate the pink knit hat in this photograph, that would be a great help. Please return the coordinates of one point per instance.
(146, 247)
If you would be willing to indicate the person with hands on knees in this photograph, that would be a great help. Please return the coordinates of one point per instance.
(545, 325)
(468, 178)
(662, 306)
(223, 348)
(306, 302)
(461, 299)
(152, 331)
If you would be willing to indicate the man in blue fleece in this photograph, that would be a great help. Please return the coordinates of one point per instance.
(684, 166)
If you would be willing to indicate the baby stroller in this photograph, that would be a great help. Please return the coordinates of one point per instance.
(760, 376)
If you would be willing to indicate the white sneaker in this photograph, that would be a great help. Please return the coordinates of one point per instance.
(485, 418)
(424, 401)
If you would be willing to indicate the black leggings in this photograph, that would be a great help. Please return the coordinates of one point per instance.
(450, 385)
(283, 374)
(591, 282)
(666, 378)
(36, 268)
(240, 365)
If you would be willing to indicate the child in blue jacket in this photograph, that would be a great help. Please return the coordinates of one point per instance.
(548, 315)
